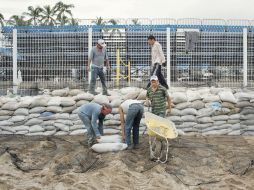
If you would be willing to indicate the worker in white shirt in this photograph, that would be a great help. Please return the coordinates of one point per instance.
(158, 59)
(134, 111)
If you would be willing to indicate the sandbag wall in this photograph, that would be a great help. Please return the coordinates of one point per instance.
(206, 111)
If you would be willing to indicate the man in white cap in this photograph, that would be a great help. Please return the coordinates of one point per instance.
(157, 96)
(98, 56)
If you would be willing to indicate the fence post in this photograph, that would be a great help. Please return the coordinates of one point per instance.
(245, 57)
(90, 46)
(168, 58)
(14, 61)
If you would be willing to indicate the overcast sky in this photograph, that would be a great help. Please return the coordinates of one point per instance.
(84, 9)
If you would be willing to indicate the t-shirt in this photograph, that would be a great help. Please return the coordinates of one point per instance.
(126, 104)
(158, 99)
(98, 56)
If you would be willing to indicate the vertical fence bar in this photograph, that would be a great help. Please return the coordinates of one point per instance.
(15, 64)
(90, 46)
(245, 55)
(117, 67)
(168, 58)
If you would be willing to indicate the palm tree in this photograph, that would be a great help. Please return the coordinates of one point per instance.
(114, 30)
(17, 20)
(34, 14)
(99, 21)
(61, 11)
(74, 22)
(1, 19)
(64, 20)
(135, 21)
(48, 16)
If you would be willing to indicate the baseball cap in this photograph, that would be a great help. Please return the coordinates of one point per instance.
(101, 42)
(154, 77)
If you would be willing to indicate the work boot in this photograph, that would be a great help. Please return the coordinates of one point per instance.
(136, 146)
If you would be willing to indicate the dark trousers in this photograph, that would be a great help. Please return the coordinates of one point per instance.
(96, 71)
(157, 71)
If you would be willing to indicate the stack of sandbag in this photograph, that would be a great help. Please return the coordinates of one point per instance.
(206, 111)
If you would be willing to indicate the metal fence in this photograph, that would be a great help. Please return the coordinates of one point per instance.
(57, 57)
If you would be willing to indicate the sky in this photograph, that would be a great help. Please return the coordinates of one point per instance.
(84, 9)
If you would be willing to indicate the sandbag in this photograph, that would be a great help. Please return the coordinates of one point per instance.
(142, 95)
(175, 118)
(109, 117)
(21, 132)
(33, 115)
(4, 117)
(189, 111)
(6, 123)
(236, 133)
(101, 99)
(12, 106)
(21, 111)
(61, 92)
(111, 122)
(179, 97)
(35, 129)
(186, 125)
(111, 131)
(108, 147)
(205, 120)
(6, 112)
(116, 103)
(55, 109)
(78, 132)
(62, 127)
(227, 96)
(244, 96)
(246, 111)
(211, 98)
(243, 104)
(54, 101)
(17, 118)
(84, 96)
(127, 90)
(46, 123)
(131, 95)
(76, 127)
(248, 122)
(63, 116)
(217, 132)
(233, 121)
(220, 118)
(74, 117)
(33, 121)
(188, 118)
(35, 134)
(49, 128)
(203, 126)
(49, 133)
(21, 128)
(75, 92)
(235, 116)
(193, 95)
(81, 103)
(66, 102)
(115, 111)
(110, 139)
(69, 109)
(183, 105)
(26, 102)
(198, 104)
(175, 112)
(228, 105)
(219, 123)
(37, 110)
(40, 102)
(64, 121)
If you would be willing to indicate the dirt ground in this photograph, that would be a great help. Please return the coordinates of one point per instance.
(61, 163)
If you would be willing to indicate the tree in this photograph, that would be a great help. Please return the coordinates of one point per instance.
(114, 30)
(74, 21)
(34, 14)
(99, 21)
(62, 10)
(17, 20)
(135, 21)
(1, 19)
(48, 15)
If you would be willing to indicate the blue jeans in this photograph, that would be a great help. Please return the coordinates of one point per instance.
(95, 72)
(133, 117)
(90, 132)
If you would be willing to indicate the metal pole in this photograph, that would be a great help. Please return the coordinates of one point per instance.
(245, 56)
(168, 58)
(117, 67)
(15, 62)
(90, 46)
